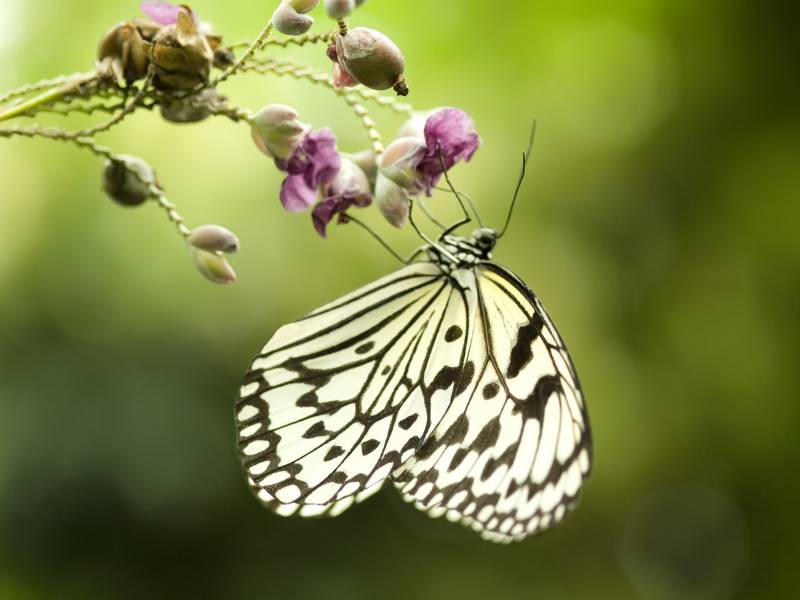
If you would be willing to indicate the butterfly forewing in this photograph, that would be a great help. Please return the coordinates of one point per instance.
(453, 381)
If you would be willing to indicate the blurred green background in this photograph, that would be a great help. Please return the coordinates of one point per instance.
(659, 224)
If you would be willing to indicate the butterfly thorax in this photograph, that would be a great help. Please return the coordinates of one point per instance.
(461, 252)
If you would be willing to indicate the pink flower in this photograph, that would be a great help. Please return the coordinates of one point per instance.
(313, 163)
(349, 188)
(451, 132)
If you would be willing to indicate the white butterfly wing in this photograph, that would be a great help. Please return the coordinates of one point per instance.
(341, 398)
(511, 453)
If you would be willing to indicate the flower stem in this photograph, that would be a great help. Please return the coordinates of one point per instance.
(46, 97)
(254, 47)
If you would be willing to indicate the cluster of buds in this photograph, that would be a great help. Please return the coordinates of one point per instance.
(130, 181)
(173, 41)
(208, 244)
(360, 55)
(174, 52)
(329, 182)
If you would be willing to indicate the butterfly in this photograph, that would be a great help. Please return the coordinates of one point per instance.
(446, 377)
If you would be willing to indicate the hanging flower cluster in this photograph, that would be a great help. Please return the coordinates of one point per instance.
(166, 60)
(319, 176)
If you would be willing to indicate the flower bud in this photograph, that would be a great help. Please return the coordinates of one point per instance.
(189, 109)
(339, 9)
(415, 125)
(277, 131)
(392, 201)
(127, 180)
(289, 21)
(366, 162)
(399, 161)
(349, 181)
(182, 55)
(372, 58)
(213, 267)
(213, 238)
(303, 6)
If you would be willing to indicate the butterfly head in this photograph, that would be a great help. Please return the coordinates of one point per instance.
(484, 239)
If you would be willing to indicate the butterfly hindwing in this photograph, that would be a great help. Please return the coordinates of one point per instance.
(511, 453)
(341, 398)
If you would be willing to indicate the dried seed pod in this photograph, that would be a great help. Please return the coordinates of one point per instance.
(213, 238)
(372, 59)
(289, 21)
(182, 55)
(127, 180)
(213, 267)
(124, 51)
(339, 9)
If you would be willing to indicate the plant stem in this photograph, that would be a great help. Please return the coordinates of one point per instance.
(254, 47)
(46, 97)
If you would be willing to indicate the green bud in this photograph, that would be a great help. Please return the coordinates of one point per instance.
(339, 9)
(213, 267)
(127, 180)
(213, 238)
(372, 59)
(303, 6)
(277, 130)
(289, 21)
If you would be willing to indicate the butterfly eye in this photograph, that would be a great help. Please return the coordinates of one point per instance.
(485, 238)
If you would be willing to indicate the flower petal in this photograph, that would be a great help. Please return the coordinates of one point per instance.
(163, 13)
(296, 196)
(323, 157)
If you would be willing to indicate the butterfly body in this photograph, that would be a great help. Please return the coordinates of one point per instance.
(446, 377)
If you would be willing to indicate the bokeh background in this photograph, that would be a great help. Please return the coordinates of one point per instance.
(659, 224)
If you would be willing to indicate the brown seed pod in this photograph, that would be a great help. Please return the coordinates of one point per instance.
(124, 50)
(182, 55)
(371, 58)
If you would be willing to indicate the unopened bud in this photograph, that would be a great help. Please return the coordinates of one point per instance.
(392, 201)
(289, 21)
(303, 6)
(339, 9)
(213, 267)
(400, 160)
(349, 181)
(372, 58)
(415, 125)
(127, 180)
(366, 162)
(277, 130)
(213, 238)
(189, 109)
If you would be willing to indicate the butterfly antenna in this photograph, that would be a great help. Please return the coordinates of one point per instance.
(525, 157)
(376, 237)
(467, 218)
